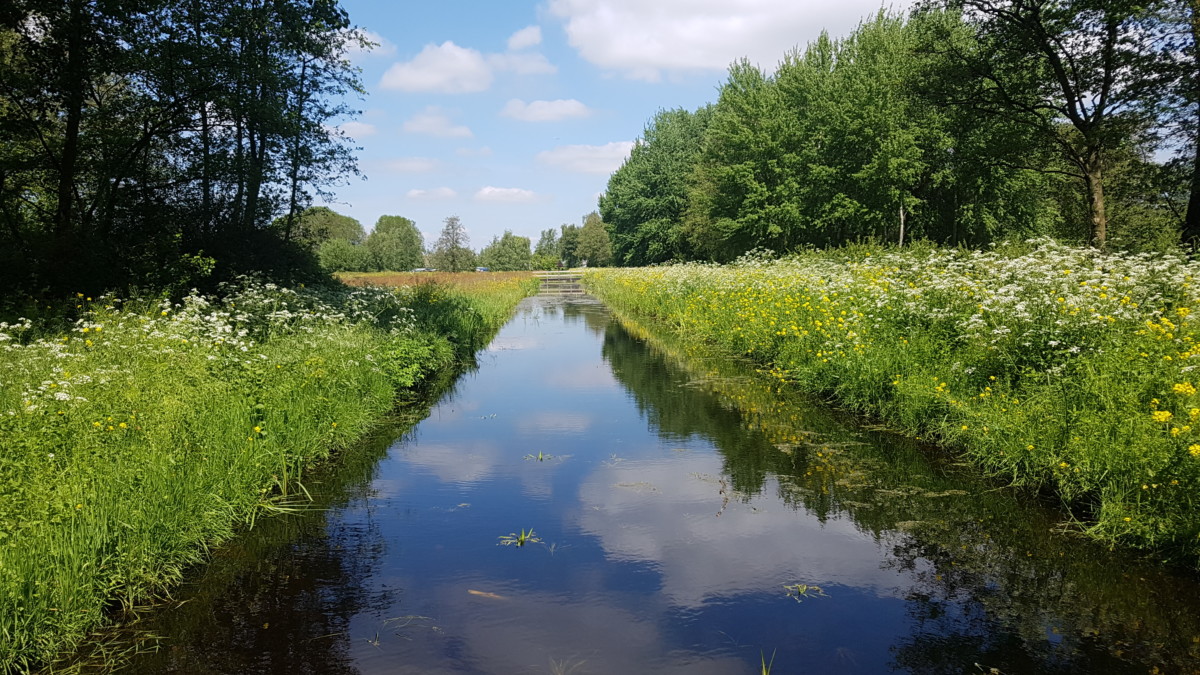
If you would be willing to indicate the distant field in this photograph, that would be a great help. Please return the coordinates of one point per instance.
(464, 280)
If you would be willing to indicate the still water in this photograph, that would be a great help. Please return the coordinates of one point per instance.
(688, 517)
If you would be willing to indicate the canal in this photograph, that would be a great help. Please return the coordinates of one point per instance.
(590, 501)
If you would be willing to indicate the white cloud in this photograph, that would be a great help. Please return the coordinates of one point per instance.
(524, 63)
(510, 195)
(410, 165)
(643, 39)
(444, 69)
(588, 158)
(433, 121)
(483, 151)
(544, 111)
(383, 46)
(358, 129)
(526, 37)
(435, 193)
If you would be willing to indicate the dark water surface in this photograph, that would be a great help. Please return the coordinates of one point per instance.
(682, 495)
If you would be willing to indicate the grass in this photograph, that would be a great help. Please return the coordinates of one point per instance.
(1064, 369)
(147, 432)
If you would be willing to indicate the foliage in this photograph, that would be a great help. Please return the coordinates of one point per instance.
(451, 252)
(395, 245)
(507, 253)
(547, 244)
(150, 430)
(1059, 368)
(340, 255)
(568, 242)
(945, 125)
(647, 196)
(319, 224)
(594, 247)
(1072, 72)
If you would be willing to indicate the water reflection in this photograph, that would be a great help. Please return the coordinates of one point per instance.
(675, 495)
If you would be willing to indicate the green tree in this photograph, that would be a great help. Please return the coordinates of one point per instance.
(318, 224)
(136, 135)
(506, 253)
(594, 246)
(567, 243)
(1072, 72)
(547, 244)
(451, 252)
(341, 255)
(395, 244)
(647, 196)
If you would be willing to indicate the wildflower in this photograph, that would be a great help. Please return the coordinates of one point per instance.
(1184, 389)
(1161, 415)
(1194, 449)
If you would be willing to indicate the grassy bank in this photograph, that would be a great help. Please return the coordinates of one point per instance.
(150, 431)
(1064, 369)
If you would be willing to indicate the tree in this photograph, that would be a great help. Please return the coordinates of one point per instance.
(647, 196)
(340, 255)
(547, 243)
(1070, 71)
(137, 135)
(567, 243)
(506, 253)
(594, 246)
(318, 224)
(395, 244)
(451, 252)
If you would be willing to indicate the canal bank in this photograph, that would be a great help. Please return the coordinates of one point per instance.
(686, 516)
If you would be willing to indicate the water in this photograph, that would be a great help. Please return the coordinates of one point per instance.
(677, 498)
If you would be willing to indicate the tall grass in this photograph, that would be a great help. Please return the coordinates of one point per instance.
(150, 431)
(1065, 369)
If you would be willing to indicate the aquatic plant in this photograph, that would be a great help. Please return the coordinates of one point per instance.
(803, 591)
(519, 539)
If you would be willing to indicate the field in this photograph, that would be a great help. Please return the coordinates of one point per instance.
(148, 431)
(1064, 369)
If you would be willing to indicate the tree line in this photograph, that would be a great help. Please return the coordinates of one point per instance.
(142, 143)
(964, 122)
(340, 244)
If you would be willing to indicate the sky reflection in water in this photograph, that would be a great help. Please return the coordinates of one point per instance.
(673, 505)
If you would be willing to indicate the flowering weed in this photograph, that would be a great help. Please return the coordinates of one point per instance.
(1061, 368)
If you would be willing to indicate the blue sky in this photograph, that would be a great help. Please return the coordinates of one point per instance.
(511, 115)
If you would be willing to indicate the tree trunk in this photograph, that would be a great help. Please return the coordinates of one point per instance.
(1191, 221)
(73, 83)
(901, 225)
(1094, 177)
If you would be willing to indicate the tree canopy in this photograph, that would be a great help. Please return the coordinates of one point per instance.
(962, 123)
(135, 137)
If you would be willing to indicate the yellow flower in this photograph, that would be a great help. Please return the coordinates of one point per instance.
(1184, 389)
(258, 430)
(1194, 449)
(1161, 415)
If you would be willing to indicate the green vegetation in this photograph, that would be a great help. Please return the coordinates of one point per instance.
(508, 253)
(519, 539)
(1063, 369)
(149, 431)
(152, 145)
(963, 124)
(451, 252)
